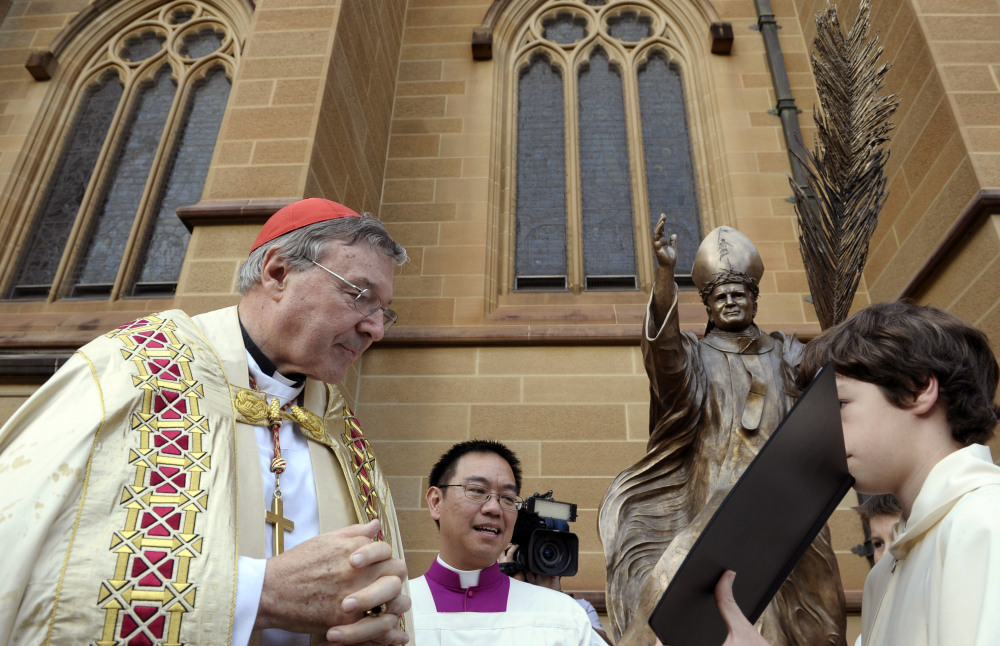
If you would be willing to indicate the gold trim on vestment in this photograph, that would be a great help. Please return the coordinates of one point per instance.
(146, 598)
(368, 505)
(253, 409)
(353, 453)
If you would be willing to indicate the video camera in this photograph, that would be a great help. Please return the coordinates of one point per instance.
(545, 544)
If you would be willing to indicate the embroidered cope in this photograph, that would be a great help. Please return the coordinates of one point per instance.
(127, 472)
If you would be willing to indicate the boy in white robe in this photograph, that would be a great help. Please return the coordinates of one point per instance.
(917, 388)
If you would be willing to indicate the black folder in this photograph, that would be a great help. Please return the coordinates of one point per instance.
(765, 524)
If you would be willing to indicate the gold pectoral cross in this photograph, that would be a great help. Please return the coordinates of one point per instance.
(276, 517)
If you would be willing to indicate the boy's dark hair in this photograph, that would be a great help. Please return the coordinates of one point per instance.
(897, 346)
(883, 504)
(443, 471)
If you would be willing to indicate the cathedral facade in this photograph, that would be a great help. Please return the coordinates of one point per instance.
(521, 151)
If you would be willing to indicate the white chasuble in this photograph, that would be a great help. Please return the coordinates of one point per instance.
(131, 488)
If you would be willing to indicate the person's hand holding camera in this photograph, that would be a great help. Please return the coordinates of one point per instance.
(509, 555)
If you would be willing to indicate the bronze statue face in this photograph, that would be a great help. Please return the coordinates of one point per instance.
(731, 307)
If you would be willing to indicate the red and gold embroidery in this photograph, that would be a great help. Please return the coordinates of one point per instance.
(253, 409)
(150, 591)
(366, 495)
(364, 468)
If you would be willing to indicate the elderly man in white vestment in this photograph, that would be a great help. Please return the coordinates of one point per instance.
(201, 480)
(464, 598)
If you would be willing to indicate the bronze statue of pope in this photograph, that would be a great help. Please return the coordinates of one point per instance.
(714, 402)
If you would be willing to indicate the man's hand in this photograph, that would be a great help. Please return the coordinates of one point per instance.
(328, 582)
(741, 631)
(508, 554)
(666, 258)
(543, 580)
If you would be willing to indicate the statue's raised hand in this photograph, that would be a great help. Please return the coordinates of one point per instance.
(666, 258)
(666, 248)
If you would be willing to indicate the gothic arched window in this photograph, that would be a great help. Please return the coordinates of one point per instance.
(141, 129)
(602, 146)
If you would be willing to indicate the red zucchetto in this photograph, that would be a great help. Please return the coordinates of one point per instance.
(300, 214)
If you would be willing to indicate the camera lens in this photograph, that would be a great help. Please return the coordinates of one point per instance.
(553, 553)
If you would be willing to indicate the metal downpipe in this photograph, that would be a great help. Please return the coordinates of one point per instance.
(786, 109)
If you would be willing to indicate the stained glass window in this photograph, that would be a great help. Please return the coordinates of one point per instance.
(142, 46)
(201, 43)
(579, 203)
(565, 28)
(667, 148)
(55, 219)
(540, 261)
(189, 166)
(608, 248)
(108, 227)
(112, 223)
(181, 15)
(630, 27)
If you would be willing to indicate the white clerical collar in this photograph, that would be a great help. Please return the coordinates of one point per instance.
(277, 385)
(466, 578)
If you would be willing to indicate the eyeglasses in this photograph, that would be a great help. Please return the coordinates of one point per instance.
(366, 301)
(482, 495)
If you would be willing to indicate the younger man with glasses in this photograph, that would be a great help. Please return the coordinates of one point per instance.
(464, 598)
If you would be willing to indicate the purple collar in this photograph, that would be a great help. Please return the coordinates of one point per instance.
(489, 596)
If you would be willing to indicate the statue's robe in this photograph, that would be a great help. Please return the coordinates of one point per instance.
(132, 483)
(713, 404)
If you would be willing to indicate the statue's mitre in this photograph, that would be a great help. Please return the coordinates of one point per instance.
(726, 256)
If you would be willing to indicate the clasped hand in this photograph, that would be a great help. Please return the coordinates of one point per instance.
(326, 584)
